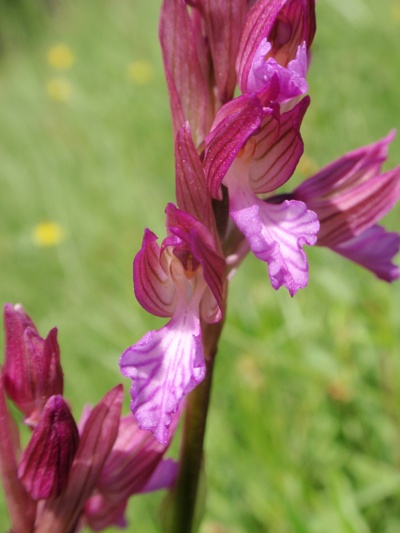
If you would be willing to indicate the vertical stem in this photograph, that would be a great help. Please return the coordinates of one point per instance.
(186, 489)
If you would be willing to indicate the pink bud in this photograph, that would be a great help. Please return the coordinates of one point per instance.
(32, 371)
(46, 461)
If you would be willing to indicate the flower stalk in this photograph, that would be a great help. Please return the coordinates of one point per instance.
(185, 500)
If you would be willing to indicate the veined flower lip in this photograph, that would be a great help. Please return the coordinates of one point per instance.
(165, 365)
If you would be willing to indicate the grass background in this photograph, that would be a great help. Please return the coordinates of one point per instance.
(304, 428)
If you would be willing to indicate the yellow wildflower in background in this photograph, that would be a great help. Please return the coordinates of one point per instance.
(140, 72)
(61, 57)
(46, 234)
(59, 89)
(395, 9)
(307, 166)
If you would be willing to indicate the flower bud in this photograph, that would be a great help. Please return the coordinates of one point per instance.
(47, 459)
(32, 371)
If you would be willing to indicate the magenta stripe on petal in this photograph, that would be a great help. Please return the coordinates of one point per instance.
(233, 125)
(345, 173)
(191, 188)
(279, 147)
(257, 26)
(154, 289)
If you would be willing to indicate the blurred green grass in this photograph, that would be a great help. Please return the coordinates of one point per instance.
(304, 429)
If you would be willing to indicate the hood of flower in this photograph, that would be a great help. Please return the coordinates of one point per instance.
(186, 272)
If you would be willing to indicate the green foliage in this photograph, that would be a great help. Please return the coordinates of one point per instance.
(304, 429)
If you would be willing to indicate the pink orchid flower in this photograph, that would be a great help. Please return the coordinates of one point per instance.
(254, 150)
(182, 279)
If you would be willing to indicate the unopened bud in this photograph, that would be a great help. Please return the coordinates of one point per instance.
(47, 459)
(32, 371)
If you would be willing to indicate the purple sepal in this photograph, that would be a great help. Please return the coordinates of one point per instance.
(348, 171)
(193, 244)
(32, 371)
(163, 477)
(133, 461)
(374, 250)
(135, 465)
(46, 461)
(351, 195)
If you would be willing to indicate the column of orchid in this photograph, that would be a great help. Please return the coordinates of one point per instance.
(232, 154)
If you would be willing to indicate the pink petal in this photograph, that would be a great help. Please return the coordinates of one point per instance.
(291, 78)
(133, 460)
(279, 147)
(258, 24)
(233, 125)
(154, 289)
(374, 249)
(353, 211)
(346, 172)
(276, 234)
(294, 25)
(164, 366)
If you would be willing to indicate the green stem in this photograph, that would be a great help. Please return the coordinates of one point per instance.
(182, 517)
